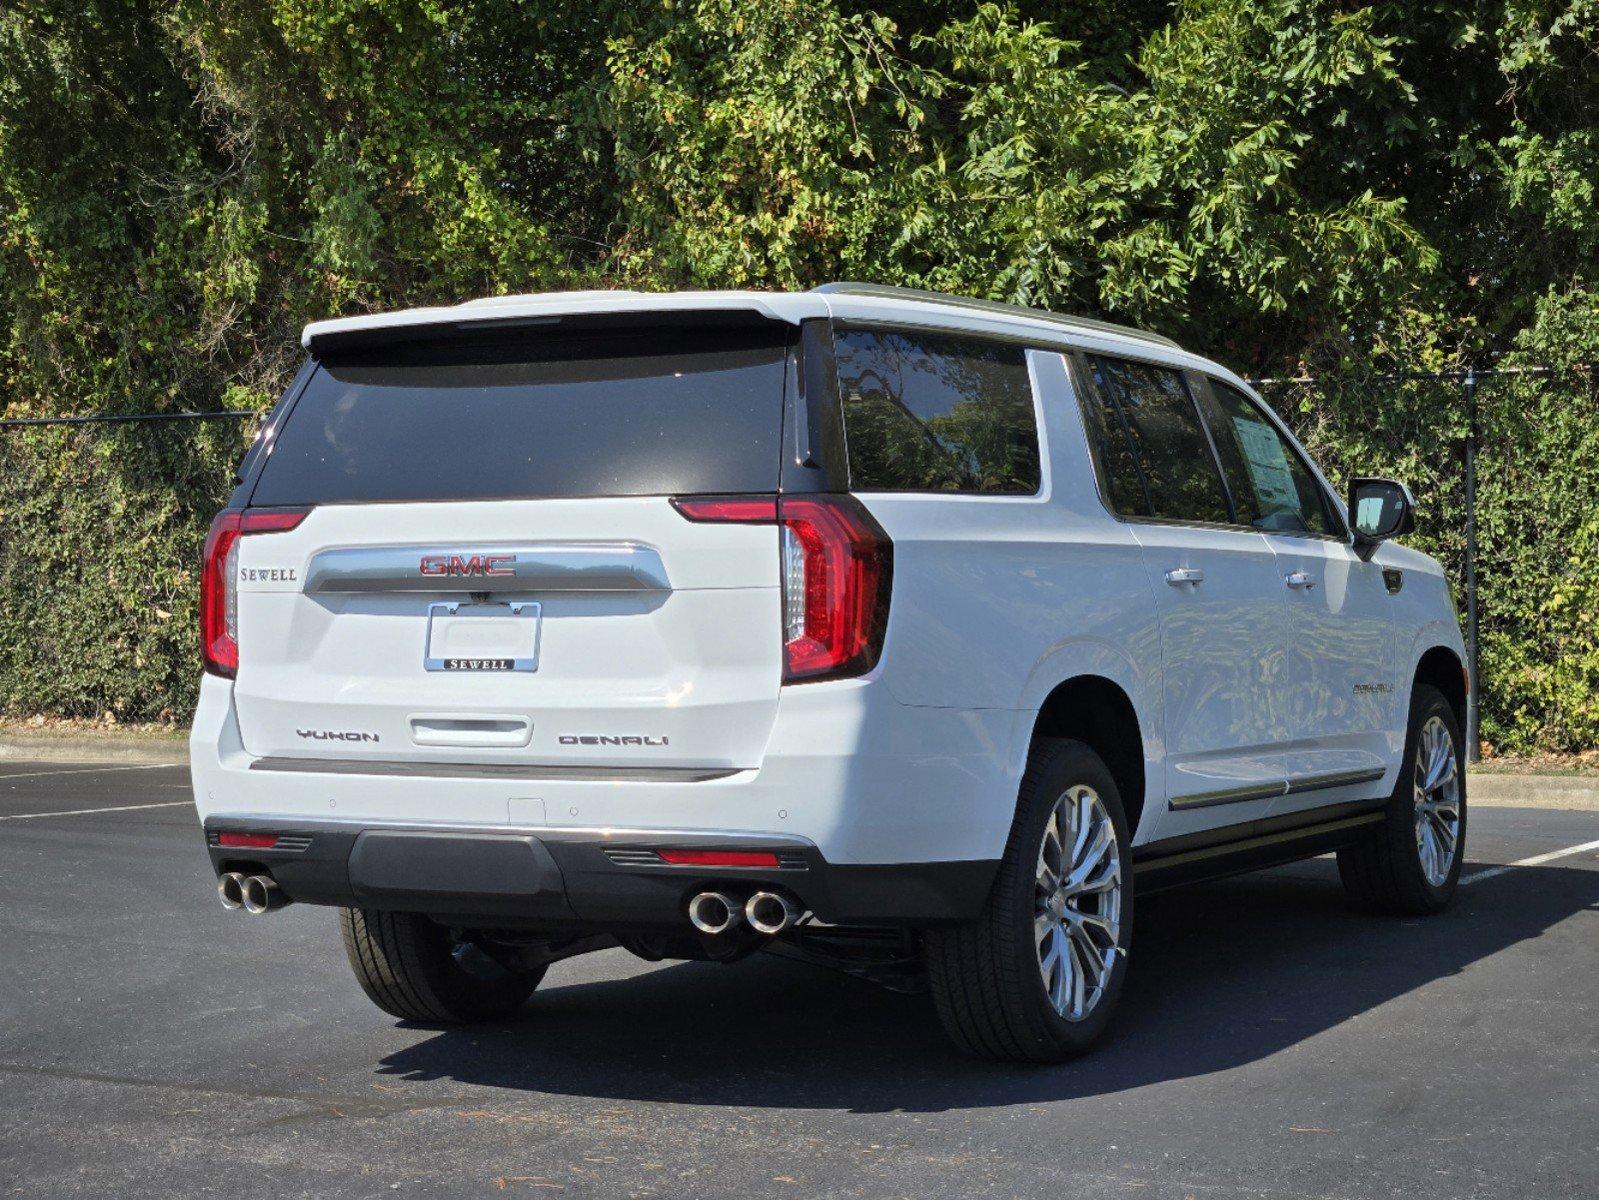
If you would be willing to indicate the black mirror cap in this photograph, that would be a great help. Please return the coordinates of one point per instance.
(1380, 509)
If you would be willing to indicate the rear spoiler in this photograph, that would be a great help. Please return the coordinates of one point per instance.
(566, 311)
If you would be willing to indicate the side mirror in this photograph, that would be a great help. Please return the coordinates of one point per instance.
(1379, 509)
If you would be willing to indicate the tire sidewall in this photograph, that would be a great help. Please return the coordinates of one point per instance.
(1066, 765)
(1427, 702)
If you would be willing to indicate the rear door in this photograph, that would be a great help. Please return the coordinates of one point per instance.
(1223, 622)
(491, 568)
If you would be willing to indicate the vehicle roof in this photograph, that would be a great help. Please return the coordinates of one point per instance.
(847, 301)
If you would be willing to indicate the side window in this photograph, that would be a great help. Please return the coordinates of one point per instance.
(1272, 488)
(1151, 445)
(936, 412)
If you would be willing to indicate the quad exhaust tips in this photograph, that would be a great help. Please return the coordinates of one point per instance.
(714, 912)
(769, 912)
(255, 894)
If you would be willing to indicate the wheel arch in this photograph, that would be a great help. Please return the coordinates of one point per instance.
(1442, 668)
(1097, 711)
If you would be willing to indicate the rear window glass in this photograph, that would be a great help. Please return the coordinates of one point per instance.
(524, 414)
(934, 412)
(1162, 441)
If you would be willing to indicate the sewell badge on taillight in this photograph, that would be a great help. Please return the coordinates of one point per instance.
(219, 579)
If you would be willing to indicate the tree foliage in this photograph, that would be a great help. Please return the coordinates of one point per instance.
(1286, 184)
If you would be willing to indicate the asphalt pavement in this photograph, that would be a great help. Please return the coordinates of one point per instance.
(1272, 1043)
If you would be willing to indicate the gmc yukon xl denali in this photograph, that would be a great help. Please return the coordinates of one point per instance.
(910, 635)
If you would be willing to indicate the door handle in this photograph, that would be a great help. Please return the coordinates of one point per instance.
(1178, 576)
(1300, 579)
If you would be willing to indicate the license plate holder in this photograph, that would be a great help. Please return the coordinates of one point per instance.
(492, 638)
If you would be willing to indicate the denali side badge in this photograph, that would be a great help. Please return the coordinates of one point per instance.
(600, 739)
(335, 735)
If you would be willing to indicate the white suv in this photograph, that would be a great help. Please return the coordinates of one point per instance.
(900, 632)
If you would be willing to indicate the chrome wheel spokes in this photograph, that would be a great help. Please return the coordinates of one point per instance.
(1437, 794)
(1077, 902)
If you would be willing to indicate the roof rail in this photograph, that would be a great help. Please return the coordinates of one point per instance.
(1085, 324)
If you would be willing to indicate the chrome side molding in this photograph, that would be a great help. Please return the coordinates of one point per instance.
(529, 567)
(1276, 788)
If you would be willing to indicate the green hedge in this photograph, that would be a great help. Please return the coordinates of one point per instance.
(101, 529)
(1287, 185)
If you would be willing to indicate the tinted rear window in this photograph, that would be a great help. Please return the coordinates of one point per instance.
(523, 414)
(1172, 474)
(935, 412)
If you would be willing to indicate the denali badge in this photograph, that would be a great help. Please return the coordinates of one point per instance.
(472, 564)
(591, 739)
(335, 735)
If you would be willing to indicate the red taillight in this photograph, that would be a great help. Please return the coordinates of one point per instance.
(219, 619)
(718, 858)
(837, 564)
(837, 567)
(248, 841)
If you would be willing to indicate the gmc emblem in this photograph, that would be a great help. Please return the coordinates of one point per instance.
(474, 564)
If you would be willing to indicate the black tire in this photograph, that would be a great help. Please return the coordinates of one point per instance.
(1384, 871)
(409, 968)
(985, 974)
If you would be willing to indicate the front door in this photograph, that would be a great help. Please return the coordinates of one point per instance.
(1341, 662)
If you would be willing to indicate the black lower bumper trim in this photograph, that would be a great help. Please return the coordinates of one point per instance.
(582, 879)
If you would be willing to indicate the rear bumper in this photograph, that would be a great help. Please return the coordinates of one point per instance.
(570, 878)
(847, 770)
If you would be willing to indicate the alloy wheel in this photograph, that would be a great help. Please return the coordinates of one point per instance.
(1437, 793)
(1078, 902)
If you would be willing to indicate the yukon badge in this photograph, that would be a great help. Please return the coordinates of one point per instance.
(469, 564)
(336, 735)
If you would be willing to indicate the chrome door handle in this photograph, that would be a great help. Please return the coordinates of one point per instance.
(1300, 579)
(1178, 576)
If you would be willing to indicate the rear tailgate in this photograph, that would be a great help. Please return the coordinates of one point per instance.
(491, 570)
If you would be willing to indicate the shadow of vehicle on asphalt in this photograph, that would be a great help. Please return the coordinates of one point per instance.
(1224, 974)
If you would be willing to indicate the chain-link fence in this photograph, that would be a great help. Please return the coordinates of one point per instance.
(102, 517)
(1502, 463)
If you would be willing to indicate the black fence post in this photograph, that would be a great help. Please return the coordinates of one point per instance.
(1473, 694)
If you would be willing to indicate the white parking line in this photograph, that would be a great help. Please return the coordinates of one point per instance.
(84, 812)
(87, 770)
(1535, 861)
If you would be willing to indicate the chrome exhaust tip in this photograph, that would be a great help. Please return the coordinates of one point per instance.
(261, 894)
(230, 890)
(770, 912)
(714, 912)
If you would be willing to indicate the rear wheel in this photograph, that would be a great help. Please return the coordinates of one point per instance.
(1410, 864)
(1036, 976)
(417, 970)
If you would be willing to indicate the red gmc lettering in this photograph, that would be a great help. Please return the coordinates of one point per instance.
(476, 564)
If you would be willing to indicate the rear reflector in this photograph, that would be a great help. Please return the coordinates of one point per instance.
(248, 841)
(219, 580)
(718, 858)
(728, 510)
